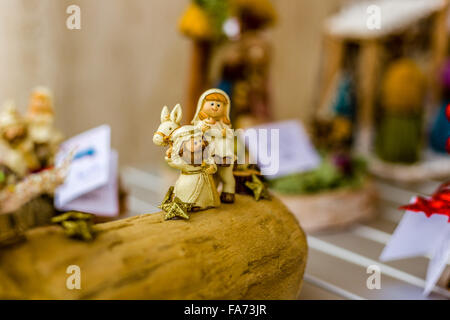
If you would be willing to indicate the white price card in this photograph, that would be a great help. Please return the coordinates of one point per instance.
(281, 148)
(91, 185)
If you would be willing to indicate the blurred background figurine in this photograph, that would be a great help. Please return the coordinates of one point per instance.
(334, 125)
(402, 99)
(16, 148)
(447, 142)
(40, 117)
(228, 32)
(441, 126)
(246, 64)
(202, 22)
(26, 198)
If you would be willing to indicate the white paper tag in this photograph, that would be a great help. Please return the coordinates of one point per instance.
(419, 235)
(416, 235)
(89, 169)
(102, 201)
(438, 263)
(282, 148)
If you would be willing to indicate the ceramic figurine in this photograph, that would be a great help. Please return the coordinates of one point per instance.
(245, 69)
(213, 118)
(210, 24)
(204, 152)
(402, 97)
(192, 154)
(16, 149)
(40, 117)
(447, 142)
(441, 126)
(334, 126)
(203, 23)
(245, 77)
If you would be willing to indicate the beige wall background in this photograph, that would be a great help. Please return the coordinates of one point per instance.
(128, 61)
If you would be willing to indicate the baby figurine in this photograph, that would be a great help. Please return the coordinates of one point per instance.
(191, 154)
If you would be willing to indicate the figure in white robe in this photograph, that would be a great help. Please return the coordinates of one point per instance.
(193, 157)
(213, 118)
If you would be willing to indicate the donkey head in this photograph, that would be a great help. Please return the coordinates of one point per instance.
(169, 123)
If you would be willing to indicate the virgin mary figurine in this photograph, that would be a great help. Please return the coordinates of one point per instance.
(213, 118)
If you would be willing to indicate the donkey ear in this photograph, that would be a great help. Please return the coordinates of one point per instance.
(177, 114)
(164, 114)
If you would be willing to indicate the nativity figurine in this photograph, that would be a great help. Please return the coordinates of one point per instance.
(192, 154)
(42, 132)
(16, 147)
(203, 151)
(213, 118)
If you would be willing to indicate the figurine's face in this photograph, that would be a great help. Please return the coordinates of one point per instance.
(195, 144)
(14, 133)
(40, 102)
(192, 150)
(214, 109)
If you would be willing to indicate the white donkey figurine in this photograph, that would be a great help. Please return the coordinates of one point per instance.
(169, 123)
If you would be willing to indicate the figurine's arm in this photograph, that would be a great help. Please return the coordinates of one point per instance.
(227, 132)
(202, 125)
(205, 128)
(209, 160)
(211, 168)
(176, 163)
(213, 132)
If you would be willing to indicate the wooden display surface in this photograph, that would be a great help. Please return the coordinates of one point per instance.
(333, 209)
(249, 250)
(349, 251)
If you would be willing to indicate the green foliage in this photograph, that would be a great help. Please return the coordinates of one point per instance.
(326, 177)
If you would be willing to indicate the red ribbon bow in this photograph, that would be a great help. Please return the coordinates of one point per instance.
(439, 203)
